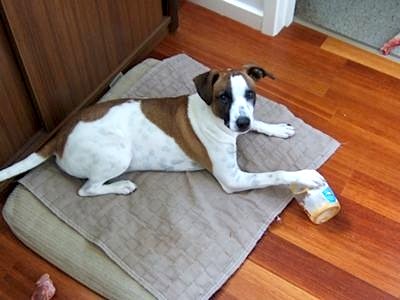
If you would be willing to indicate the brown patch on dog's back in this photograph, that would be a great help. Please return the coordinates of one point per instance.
(89, 114)
(170, 115)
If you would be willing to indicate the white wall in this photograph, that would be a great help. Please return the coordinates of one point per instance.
(257, 4)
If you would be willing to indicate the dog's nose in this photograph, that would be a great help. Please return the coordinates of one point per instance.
(243, 123)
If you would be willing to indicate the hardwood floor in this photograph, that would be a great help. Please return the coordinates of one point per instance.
(20, 268)
(355, 255)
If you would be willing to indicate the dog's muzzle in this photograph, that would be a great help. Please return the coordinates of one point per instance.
(243, 123)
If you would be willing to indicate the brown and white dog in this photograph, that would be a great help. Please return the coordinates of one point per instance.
(186, 133)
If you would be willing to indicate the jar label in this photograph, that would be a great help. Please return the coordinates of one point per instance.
(329, 195)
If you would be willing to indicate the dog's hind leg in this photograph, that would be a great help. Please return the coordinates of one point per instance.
(103, 168)
(282, 130)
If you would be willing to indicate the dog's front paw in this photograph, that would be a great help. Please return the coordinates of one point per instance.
(309, 179)
(283, 130)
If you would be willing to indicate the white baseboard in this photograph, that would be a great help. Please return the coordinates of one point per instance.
(235, 10)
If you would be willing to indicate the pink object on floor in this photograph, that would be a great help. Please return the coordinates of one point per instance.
(389, 45)
(45, 289)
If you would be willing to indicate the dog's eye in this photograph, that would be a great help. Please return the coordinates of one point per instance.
(250, 95)
(223, 98)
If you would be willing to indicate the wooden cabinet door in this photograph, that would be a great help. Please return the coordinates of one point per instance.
(69, 47)
(18, 121)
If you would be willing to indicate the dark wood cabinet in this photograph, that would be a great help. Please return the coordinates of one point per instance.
(57, 56)
(69, 46)
(18, 120)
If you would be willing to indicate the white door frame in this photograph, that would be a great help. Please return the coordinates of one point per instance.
(276, 14)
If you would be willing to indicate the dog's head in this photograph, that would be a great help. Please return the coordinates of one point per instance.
(231, 94)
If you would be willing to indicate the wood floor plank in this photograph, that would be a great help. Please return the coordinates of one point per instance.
(14, 289)
(360, 56)
(358, 241)
(252, 282)
(278, 88)
(374, 194)
(320, 278)
(22, 267)
(303, 35)
(368, 99)
(369, 152)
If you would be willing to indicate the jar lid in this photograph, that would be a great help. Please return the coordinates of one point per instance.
(326, 213)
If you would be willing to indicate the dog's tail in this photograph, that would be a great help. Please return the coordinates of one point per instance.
(28, 163)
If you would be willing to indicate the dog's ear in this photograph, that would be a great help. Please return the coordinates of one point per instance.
(257, 72)
(205, 85)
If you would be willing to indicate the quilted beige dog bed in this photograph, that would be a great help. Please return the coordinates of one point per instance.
(179, 235)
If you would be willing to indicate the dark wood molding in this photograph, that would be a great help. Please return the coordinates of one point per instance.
(170, 8)
(18, 60)
(18, 120)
